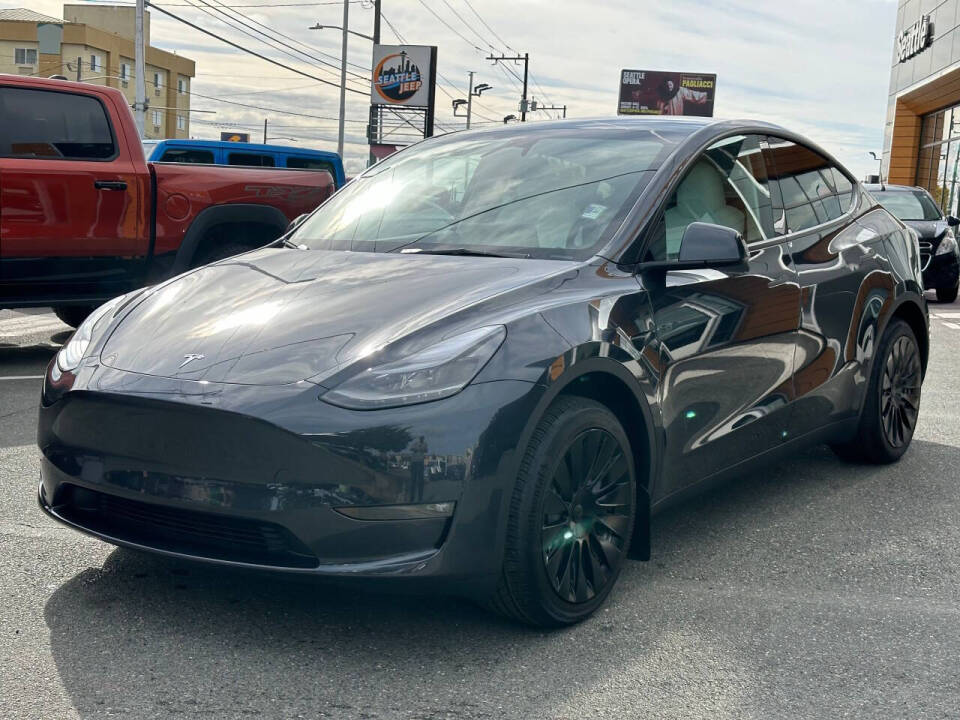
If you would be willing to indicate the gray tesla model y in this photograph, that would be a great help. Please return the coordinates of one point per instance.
(485, 362)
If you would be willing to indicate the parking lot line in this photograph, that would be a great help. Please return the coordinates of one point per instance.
(947, 315)
(952, 326)
(21, 377)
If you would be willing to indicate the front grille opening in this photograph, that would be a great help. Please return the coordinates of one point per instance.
(187, 532)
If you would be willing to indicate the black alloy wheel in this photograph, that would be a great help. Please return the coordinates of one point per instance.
(586, 516)
(571, 516)
(900, 391)
(892, 403)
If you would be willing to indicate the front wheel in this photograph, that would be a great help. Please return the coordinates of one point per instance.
(892, 405)
(948, 294)
(571, 516)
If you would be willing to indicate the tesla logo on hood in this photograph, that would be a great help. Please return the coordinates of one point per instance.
(190, 358)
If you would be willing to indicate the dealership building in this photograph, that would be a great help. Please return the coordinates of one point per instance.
(922, 133)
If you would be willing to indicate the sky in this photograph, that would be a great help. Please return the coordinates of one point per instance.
(818, 67)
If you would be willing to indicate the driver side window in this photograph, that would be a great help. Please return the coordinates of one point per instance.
(726, 185)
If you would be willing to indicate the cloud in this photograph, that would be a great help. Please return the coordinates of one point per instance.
(820, 67)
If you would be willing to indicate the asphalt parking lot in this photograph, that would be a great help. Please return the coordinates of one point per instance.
(811, 589)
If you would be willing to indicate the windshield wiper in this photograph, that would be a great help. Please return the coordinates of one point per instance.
(461, 251)
(287, 242)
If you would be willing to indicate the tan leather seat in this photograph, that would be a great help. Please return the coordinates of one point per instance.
(700, 198)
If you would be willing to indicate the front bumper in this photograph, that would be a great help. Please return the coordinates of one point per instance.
(262, 476)
(943, 271)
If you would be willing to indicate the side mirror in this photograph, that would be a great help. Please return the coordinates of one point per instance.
(953, 221)
(704, 245)
(708, 245)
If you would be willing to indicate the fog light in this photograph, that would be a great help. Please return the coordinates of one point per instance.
(422, 511)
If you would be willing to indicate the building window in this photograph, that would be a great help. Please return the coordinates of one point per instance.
(124, 71)
(157, 118)
(157, 83)
(182, 86)
(181, 122)
(95, 63)
(25, 56)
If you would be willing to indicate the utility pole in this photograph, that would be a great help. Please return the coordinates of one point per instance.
(264, 131)
(343, 77)
(376, 21)
(526, 66)
(470, 100)
(79, 69)
(140, 104)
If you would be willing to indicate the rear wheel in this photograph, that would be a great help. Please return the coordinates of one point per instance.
(892, 405)
(73, 315)
(948, 294)
(571, 516)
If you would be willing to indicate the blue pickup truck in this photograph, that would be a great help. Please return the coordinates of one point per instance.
(219, 152)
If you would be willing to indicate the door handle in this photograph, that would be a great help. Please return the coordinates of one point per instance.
(110, 184)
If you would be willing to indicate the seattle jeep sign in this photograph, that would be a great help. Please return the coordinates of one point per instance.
(914, 38)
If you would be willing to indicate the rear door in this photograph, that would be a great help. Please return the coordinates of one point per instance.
(726, 336)
(841, 267)
(73, 196)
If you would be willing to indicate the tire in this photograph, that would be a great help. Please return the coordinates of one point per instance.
(73, 315)
(892, 404)
(949, 294)
(567, 541)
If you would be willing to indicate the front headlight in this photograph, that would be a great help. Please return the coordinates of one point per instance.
(947, 245)
(70, 355)
(437, 372)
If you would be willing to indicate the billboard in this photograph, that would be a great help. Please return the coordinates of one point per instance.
(652, 92)
(235, 137)
(403, 75)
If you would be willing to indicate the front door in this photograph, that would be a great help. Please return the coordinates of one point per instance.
(726, 337)
(72, 198)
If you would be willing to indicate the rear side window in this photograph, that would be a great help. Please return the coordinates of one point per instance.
(188, 155)
(306, 163)
(810, 190)
(250, 159)
(54, 125)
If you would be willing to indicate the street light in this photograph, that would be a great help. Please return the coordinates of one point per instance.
(318, 26)
(879, 167)
(343, 68)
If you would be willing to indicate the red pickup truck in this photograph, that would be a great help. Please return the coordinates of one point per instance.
(84, 217)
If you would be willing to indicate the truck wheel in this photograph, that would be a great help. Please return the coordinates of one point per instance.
(571, 517)
(73, 315)
(892, 404)
(948, 294)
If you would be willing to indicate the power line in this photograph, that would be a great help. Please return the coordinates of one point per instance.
(283, 35)
(449, 26)
(251, 52)
(469, 5)
(259, 37)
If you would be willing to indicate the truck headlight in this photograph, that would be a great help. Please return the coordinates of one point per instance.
(70, 355)
(436, 372)
(947, 245)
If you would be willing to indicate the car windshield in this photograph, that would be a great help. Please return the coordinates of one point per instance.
(909, 204)
(543, 193)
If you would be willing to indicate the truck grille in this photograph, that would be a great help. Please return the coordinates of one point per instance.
(188, 532)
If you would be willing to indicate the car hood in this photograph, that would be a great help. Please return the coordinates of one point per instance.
(927, 229)
(278, 316)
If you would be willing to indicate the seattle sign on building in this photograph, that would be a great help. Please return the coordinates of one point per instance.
(914, 38)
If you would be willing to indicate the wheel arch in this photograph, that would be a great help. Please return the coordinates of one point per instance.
(608, 382)
(211, 218)
(910, 311)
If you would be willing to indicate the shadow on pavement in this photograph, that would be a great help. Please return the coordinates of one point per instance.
(726, 614)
